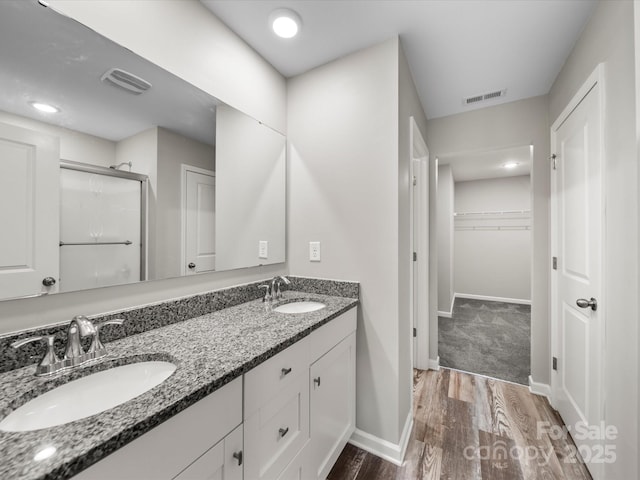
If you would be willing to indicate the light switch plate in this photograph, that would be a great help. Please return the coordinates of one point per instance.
(314, 251)
(263, 249)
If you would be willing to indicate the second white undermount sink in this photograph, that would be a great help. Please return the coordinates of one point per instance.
(87, 396)
(305, 306)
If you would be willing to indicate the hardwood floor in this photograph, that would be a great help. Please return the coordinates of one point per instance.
(468, 427)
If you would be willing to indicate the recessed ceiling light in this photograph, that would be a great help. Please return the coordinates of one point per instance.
(285, 23)
(510, 165)
(44, 107)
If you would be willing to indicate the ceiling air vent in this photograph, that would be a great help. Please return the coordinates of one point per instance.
(127, 81)
(484, 97)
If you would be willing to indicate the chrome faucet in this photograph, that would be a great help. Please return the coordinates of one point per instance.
(277, 281)
(272, 289)
(79, 327)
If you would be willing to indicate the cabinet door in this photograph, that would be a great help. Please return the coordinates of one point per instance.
(29, 172)
(332, 412)
(219, 462)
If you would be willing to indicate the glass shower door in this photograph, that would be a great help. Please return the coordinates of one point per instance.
(100, 230)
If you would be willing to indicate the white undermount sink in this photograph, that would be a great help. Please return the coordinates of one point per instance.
(87, 396)
(299, 307)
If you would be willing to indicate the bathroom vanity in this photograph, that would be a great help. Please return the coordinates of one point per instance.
(256, 394)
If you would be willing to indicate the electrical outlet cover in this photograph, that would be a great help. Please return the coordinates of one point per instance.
(263, 249)
(314, 251)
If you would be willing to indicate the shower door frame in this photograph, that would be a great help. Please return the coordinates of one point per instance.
(144, 185)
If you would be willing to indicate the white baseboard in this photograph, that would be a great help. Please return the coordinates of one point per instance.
(493, 299)
(539, 388)
(434, 364)
(384, 449)
(449, 314)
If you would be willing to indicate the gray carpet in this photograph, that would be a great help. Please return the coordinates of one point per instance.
(489, 338)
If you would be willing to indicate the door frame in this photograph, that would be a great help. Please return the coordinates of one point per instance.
(420, 319)
(595, 84)
(184, 168)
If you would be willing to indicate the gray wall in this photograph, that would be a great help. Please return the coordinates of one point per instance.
(173, 151)
(446, 256)
(409, 106)
(75, 146)
(493, 263)
(512, 124)
(348, 126)
(177, 35)
(609, 38)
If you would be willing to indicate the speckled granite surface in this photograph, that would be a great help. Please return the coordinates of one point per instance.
(138, 320)
(210, 351)
(337, 288)
(148, 317)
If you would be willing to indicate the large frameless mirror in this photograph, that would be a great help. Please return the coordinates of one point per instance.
(152, 178)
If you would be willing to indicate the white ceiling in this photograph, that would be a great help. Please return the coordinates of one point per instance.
(455, 48)
(50, 58)
(488, 164)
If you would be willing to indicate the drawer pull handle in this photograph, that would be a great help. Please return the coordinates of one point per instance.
(238, 456)
(283, 431)
(286, 371)
(317, 381)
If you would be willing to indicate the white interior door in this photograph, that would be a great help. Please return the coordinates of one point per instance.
(199, 221)
(577, 229)
(420, 244)
(28, 212)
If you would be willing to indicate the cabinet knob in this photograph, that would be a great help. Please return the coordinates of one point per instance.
(283, 431)
(238, 457)
(317, 381)
(286, 371)
(192, 265)
(48, 281)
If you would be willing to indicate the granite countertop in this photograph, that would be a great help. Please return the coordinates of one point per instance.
(209, 351)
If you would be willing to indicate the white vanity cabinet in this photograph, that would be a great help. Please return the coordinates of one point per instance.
(293, 427)
(194, 444)
(299, 412)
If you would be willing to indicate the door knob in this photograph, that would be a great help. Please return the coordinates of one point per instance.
(584, 303)
(48, 281)
(192, 265)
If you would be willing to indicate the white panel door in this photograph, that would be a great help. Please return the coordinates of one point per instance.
(199, 224)
(578, 244)
(28, 211)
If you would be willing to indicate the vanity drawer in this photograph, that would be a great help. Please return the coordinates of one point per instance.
(277, 431)
(267, 379)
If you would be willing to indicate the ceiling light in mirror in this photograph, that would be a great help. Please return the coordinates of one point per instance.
(285, 23)
(44, 107)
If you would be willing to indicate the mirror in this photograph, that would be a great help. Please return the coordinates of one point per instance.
(157, 178)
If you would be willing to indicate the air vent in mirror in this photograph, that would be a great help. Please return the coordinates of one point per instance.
(127, 81)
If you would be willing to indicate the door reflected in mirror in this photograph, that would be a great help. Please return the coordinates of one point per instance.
(166, 180)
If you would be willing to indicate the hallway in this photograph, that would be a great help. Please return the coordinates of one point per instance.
(475, 428)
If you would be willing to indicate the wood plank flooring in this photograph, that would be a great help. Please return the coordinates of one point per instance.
(468, 427)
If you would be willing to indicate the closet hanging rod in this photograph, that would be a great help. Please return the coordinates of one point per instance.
(497, 212)
(501, 227)
(65, 244)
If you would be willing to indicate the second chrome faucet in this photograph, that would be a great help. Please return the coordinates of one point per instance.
(272, 289)
(74, 355)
